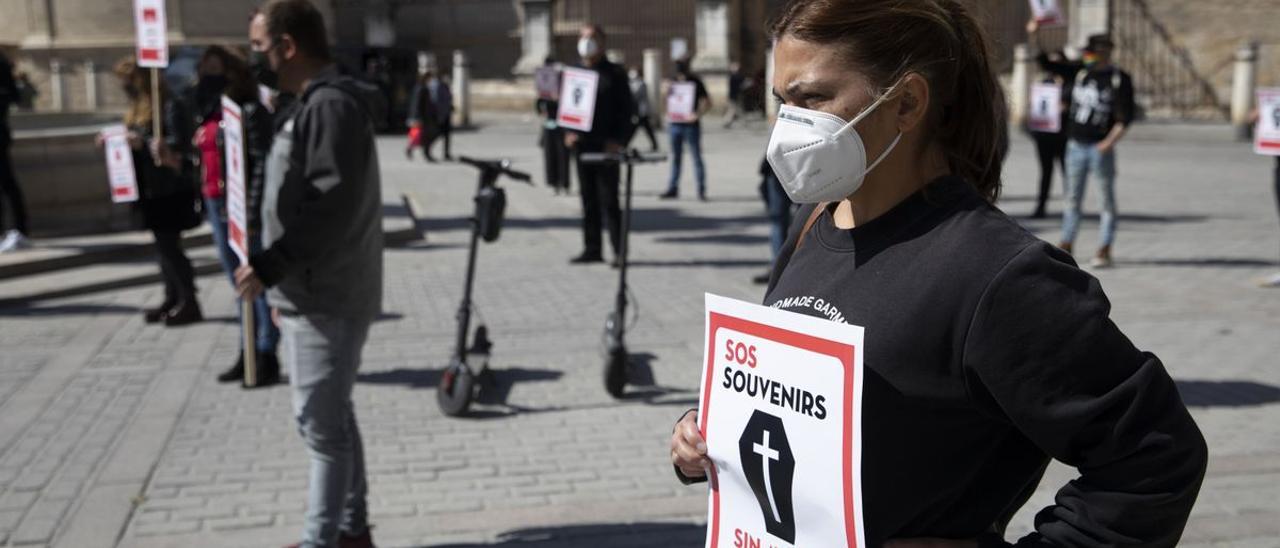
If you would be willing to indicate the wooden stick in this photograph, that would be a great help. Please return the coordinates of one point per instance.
(157, 125)
(250, 345)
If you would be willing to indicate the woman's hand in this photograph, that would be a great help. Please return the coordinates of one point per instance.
(164, 155)
(688, 449)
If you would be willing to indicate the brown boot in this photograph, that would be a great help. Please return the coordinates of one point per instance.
(1065, 246)
(1103, 258)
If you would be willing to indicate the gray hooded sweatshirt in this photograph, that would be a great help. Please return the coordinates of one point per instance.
(322, 212)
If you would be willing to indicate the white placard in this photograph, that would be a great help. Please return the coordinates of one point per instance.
(153, 41)
(120, 174)
(577, 98)
(1047, 12)
(781, 412)
(546, 81)
(682, 100)
(233, 171)
(1045, 114)
(1266, 137)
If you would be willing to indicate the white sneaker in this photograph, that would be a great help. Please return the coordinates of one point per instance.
(9, 241)
(1101, 262)
(1271, 281)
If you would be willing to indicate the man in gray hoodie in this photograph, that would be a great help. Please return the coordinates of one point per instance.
(322, 258)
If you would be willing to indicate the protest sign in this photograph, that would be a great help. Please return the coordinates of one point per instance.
(1046, 108)
(120, 174)
(546, 81)
(682, 101)
(1266, 137)
(577, 99)
(780, 409)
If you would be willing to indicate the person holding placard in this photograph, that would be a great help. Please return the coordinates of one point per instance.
(987, 352)
(1051, 142)
(555, 156)
(322, 256)
(609, 129)
(1101, 110)
(687, 101)
(167, 195)
(221, 72)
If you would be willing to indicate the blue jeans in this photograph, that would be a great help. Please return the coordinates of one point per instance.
(692, 133)
(1083, 159)
(778, 205)
(323, 354)
(268, 336)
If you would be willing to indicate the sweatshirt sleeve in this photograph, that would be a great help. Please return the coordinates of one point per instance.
(1042, 349)
(333, 171)
(1065, 70)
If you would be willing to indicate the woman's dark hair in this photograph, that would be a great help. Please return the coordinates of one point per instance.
(241, 86)
(938, 39)
(301, 21)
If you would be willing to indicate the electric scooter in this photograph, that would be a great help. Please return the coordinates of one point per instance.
(469, 367)
(616, 363)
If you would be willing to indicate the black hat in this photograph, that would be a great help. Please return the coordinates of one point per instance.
(1098, 41)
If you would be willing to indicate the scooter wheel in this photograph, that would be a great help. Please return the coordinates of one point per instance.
(456, 389)
(615, 373)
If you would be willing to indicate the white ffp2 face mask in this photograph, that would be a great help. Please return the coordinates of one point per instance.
(588, 48)
(817, 156)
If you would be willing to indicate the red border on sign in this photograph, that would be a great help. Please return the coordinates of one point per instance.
(840, 351)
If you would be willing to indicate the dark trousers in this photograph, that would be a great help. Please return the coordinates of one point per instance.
(441, 132)
(778, 205)
(599, 205)
(646, 123)
(10, 192)
(1277, 183)
(1051, 148)
(555, 158)
(175, 268)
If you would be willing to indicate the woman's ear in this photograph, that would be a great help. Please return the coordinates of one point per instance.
(913, 102)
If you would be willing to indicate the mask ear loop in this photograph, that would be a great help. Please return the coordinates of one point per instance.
(867, 112)
(884, 154)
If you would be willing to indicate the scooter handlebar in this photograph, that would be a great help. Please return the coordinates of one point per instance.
(500, 166)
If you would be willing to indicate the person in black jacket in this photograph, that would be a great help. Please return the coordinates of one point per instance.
(1102, 108)
(555, 157)
(611, 130)
(987, 351)
(1051, 148)
(10, 192)
(167, 195)
(223, 72)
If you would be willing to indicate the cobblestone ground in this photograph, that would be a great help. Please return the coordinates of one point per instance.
(113, 433)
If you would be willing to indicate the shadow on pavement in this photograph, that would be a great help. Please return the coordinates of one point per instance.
(575, 536)
(642, 220)
(26, 311)
(1216, 262)
(1196, 393)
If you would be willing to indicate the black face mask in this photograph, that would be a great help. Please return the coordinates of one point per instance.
(261, 68)
(210, 87)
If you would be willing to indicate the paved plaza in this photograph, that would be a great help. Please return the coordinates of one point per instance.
(114, 433)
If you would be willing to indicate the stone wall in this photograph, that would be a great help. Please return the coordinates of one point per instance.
(1212, 31)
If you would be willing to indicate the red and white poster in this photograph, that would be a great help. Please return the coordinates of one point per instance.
(233, 151)
(781, 412)
(153, 41)
(1045, 114)
(682, 99)
(546, 81)
(577, 98)
(120, 174)
(1266, 137)
(1048, 13)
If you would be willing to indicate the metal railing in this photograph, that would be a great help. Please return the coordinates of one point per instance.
(1166, 81)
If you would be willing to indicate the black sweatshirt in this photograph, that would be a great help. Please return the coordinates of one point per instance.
(1097, 99)
(987, 353)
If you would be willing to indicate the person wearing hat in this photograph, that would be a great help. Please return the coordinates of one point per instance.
(1101, 108)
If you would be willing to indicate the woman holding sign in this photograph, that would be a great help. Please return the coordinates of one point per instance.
(221, 73)
(168, 197)
(988, 352)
